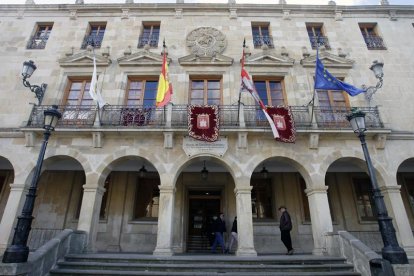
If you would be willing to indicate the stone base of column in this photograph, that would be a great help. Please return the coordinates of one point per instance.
(250, 252)
(163, 252)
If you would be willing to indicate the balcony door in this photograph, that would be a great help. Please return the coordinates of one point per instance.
(333, 105)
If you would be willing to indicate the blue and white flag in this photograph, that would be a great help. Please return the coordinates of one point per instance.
(325, 81)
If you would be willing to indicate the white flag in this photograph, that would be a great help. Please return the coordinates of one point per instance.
(93, 91)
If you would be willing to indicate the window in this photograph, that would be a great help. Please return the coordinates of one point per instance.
(370, 34)
(150, 35)
(147, 196)
(40, 37)
(141, 92)
(271, 92)
(316, 35)
(364, 201)
(261, 35)
(78, 103)
(333, 105)
(261, 198)
(205, 91)
(94, 35)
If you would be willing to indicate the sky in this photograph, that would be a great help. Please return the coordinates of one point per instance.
(307, 2)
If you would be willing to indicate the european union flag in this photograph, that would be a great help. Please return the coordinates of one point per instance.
(325, 81)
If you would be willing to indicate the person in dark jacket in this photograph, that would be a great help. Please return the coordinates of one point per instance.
(285, 225)
(219, 227)
(233, 235)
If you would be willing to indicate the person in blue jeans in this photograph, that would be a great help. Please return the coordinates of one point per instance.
(219, 227)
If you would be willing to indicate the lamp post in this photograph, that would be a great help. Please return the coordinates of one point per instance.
(28, 68)
(391, 250)
(18, 251)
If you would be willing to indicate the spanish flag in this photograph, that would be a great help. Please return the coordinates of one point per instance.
(164, 90)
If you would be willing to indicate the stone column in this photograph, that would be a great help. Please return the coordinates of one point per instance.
(397, 211)
(89, 213)
(320, 218)
(12, 210)
(165, 221)
(244, 220)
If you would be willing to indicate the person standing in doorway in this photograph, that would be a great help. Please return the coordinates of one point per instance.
(219, 227)
(233, 236)
(285, 225)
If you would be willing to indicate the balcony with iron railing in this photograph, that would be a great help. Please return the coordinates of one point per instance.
(319, 40)
(151, 40)
(260, 40)
(37, 42)
(374, 42)
(175, 117)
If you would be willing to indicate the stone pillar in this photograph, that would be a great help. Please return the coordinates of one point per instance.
(320, 218)
(12, 210)
(89, 213)
(244, 220)
(165, 221)
(397, 211)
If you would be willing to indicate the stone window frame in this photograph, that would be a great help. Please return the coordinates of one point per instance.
(38, 40)
(91, 26)
(314, 29)
(255, 181)
(262, 39)
(372, 37)
(268, 79)
(139, 100)
(150, 39)
(155, 182)
(356, 191)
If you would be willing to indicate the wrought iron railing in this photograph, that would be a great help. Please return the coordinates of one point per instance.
(336, 118)
(151, 40)
(37, 42)
(73, 116)
(137, 116)
(260, 40)
(176, 116)
(321, 40)
(374, 42)
(93, 40)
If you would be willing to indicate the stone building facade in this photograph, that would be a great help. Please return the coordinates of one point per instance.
(135, 185)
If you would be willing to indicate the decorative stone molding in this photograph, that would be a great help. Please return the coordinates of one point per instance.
(194, 60)
(97, 139)
(316, 190)
(314, 140)
(269, 58)
(125, 13)
(30, 138)
(141, 58)
(168, 140)
(79, 2)
(286, 15)
(73, 14)
(332, 3)
(233, 13)
(178, 13)
(329, 60)
(380, 140)
(393, 15)
(242, 140)
(30, 2)
(338, 15)
(84, 58)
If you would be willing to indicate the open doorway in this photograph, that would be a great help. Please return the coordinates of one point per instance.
(204, 206)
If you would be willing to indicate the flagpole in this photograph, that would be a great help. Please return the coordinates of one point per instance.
(164, 57)
(314, 90)
(241, 86)
(97, 103)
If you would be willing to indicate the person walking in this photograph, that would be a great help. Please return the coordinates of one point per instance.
(233, 235)
(285, 225)
(219, 227)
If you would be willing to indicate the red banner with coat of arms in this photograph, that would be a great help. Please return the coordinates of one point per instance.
(283, 119)
(203, 122)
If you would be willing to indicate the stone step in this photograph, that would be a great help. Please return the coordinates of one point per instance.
(199, 273)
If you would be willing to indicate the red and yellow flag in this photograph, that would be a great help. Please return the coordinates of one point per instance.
(164, 90)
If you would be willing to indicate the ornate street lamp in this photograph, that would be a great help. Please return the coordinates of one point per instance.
(204, 171)
(377, 68)
(391, 250)
(28, 68)
(18, 251)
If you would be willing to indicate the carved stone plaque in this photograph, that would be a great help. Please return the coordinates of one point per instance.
(192, 146)
(206, 41)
